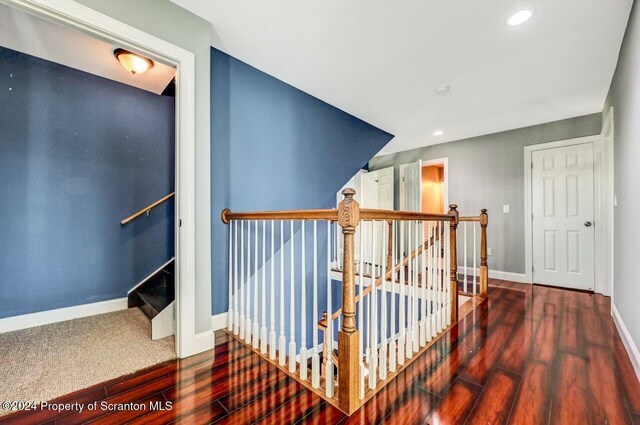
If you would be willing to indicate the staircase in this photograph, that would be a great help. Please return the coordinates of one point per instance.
(156, 298)
(344, 318)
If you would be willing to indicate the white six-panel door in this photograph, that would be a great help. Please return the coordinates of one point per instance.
(563, 209)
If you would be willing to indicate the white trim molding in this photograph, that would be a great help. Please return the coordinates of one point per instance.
(16, 323)
(96, 24)
(629, 344)
(219, 321)
(497, 274)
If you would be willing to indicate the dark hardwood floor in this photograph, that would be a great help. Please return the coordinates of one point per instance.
(528, 355)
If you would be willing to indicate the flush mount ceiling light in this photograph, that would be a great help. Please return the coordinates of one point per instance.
(442, 90)
(133, 63)
(520, 17)
(438, 133)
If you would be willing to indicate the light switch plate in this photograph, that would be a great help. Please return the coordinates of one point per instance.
(488, 251)
(506, 209)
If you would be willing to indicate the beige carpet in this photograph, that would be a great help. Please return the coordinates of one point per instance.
(48, 361)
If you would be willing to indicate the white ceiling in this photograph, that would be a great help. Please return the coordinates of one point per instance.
(34, 36)
(381, 60)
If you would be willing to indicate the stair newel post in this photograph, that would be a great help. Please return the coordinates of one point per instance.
(453, 261)
(484, 269)
(348, 338)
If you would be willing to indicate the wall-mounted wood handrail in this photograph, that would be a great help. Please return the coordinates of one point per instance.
(147, 209)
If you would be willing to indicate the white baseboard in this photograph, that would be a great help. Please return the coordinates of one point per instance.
(497, 274)
(219, 321)
(629, 344)
(150, 276)
(40, 318)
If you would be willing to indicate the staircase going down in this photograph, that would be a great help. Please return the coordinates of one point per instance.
(156, 298)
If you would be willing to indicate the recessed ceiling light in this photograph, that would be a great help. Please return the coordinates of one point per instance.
(520, 17)
(438, 133)
(442, 90)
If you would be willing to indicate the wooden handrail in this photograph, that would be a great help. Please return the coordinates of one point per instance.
(472, 218)
(331, 215)
(147, 209)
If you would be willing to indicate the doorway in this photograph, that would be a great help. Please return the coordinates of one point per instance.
(564, 197)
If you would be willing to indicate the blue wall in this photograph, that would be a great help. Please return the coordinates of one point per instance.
(78, 153)
(275, 147)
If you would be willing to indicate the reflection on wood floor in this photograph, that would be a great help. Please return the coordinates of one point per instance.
(528, 355)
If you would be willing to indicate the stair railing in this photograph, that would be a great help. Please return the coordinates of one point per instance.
(475, 280)
(391, 304)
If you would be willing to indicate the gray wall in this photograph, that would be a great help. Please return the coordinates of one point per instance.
(488, 172)
(174, 24)
(624, 96)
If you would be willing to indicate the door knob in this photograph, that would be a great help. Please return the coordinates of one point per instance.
(587, 224)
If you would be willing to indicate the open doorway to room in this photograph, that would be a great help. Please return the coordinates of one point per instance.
(88, 165)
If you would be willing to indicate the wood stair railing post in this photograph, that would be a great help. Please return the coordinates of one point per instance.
(453, 260)
(484, 269)
(348, 338)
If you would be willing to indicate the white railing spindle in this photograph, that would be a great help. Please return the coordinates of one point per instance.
(256, 325)
(329, 382)
(292, 306)
(247, 322)
(282, 343)
(242, 281)
(303, 298)
(263, 329)
(315, 357)
(272, 301)
(236, 313)
(392, 342)
(373, 346)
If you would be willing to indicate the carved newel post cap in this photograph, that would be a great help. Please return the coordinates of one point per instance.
(453, 207)
(348, 209)
(483, 211)
(349, 192)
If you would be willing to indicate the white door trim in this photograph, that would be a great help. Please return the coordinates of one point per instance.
(75, 15)
(426, 163)
(607, 196)
(599, 225)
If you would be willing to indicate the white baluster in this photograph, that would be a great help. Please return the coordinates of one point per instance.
(416, 291)
(392, 342)
(475, 269)
(263, 329)
(447, 280)
(303, 305)
(242, 281)
(292, 307)
(464, 253)
(230, 280)
(272, 298)
(329, 382)
(247, 322)
(401, 300)
(409, 335)
(360, 312)
(430, 286)
(282, 343)
(236, 312)
(440, 276)
(383, 305)
(256, 325)
(373, 344)
(423, 287)
(315, 357)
